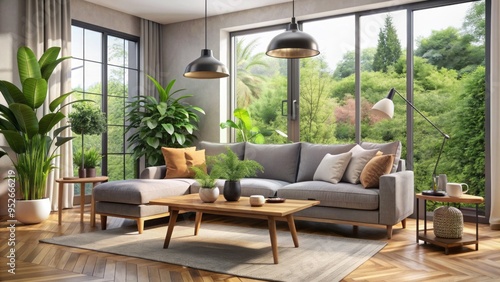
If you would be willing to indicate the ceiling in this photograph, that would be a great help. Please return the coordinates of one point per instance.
(171, 11)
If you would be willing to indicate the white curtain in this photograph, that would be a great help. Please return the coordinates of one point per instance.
(48, 24)
(150, 56)
(495, 115)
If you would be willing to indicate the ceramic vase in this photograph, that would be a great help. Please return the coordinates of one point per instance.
(32, 211)
(232, 190)
(209, 195)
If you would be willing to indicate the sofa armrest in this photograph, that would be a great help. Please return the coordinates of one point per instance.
(154, 172)
(397, 196)
(401, 165)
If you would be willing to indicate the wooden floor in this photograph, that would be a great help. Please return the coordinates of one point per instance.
(401, 260)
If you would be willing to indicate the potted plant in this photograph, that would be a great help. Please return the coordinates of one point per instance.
(86, 119)
(165, 122)
(244, 127)
(30, 132)
(92, 160)
(208, 191)
(228, 166)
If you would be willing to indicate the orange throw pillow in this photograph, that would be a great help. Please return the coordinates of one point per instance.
(176, 161)
(195, 158)
(376, 167)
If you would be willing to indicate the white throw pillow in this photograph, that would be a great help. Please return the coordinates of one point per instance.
(332, 167)
(360, 157)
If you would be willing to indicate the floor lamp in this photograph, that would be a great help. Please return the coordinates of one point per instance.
(385, 109)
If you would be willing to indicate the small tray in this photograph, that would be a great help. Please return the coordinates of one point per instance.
(275, 200)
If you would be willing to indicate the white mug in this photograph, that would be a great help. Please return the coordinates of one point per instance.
(257, 200)
(456, 189)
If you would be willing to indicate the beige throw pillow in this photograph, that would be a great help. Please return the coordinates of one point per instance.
(376, 167)
(176, 161)
(360, 157)
(332, 167)
(195, 158)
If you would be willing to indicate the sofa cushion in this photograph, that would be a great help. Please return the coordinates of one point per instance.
(140, 191)
(340, 195)
(312, 154)
(195, 158)
(280, 161)
(359, 159)
(388, 149)
(214, 149)
(175, 160)
(376, 167)
(332, 167)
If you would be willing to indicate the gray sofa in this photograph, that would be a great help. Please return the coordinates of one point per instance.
(289, 172)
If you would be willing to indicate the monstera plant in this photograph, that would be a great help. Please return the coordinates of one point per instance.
(29, 131)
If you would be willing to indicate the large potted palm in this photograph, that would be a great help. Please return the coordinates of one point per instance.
(29, 133)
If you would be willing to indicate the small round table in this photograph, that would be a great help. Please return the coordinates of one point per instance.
(82, 181)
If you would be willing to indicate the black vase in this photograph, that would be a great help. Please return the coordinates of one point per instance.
(232, 190)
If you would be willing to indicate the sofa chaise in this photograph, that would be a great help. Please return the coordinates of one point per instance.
(339, 176)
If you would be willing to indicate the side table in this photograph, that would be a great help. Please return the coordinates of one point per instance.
(82, 181)
(467, 239)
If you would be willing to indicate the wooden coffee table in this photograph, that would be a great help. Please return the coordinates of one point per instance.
(241, 208)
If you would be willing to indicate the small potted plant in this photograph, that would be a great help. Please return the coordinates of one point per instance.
(228, 166)
(208, 191)
(92, 160)
(77, 156)
(86, 119)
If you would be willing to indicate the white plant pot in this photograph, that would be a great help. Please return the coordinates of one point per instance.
(209, 195)
(32, 211)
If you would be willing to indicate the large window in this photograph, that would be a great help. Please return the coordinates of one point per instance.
(431, 52)
(105, 69)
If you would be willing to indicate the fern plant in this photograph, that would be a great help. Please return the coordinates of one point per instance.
(228, 166)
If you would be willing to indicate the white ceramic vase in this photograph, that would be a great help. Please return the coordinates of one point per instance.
(32, 211)
(209, 195)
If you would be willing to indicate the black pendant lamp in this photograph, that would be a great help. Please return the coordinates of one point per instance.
(206, 66)
(293, 43)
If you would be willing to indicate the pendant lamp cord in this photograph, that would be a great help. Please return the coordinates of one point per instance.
(206, 24)
(293, 8)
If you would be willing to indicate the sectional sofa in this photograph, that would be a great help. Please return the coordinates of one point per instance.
(349, 181)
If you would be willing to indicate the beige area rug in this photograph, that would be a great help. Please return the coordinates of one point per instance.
(236, 250)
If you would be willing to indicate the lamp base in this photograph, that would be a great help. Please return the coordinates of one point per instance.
(434, 193)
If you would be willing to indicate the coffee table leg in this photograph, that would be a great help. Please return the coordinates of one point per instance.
(293, 231)
(197, 222)
(171, 224)
(274, 238)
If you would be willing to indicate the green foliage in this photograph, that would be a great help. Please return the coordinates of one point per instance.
(388, 47)
(206, 180)
(449, 49)
(246, 131)
(317, 121)
(468, 136)
(345, 67)
(92, 158)
(475, 22)
(167, 122)
(28, 136)
(86, 118)
(228, 166)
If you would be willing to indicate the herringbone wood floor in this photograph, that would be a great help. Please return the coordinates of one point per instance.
(402, 259)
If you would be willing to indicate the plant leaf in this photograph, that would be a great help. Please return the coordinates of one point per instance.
(181, 139)
(35, 91)
(152, 124)
(15, 140)
(161, 92)
(60, 129)
(11, 93)
(57, 101)
(168, 127)
(61, 140)
(27, 64)
(244, 117)
(153, 142)
(49, 121)
(49, 68)
(26, 118)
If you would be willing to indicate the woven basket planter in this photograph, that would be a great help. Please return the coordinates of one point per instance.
(448, 222)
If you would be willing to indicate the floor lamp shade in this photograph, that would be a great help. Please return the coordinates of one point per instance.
(206, 66)
(384, 108)
(293, 44)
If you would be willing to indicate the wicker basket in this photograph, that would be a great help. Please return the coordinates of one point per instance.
(448, 222)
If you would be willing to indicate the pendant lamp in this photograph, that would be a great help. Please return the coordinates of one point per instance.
(293, 43)
(206, 66)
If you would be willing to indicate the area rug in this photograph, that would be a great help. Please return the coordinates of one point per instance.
(235, 250)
